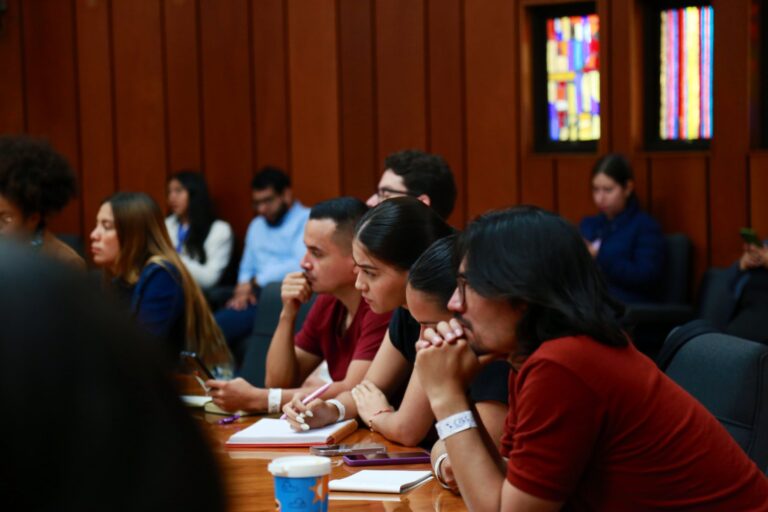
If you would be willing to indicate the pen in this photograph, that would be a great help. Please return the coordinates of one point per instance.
(202, 384)
(229, 419)
(316, 393)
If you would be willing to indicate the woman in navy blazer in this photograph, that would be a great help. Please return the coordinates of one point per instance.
(626, 242)
(131, 243)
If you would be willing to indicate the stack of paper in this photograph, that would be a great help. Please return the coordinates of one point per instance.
(377, 480)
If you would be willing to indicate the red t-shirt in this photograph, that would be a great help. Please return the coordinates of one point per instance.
(602, 428)
(321, 334)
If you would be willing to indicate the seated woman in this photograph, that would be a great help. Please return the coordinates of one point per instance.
(35, 183)
(592, 424)
(132, 245)
(203, 242)
(431, 282)
(388, 240)
(626, 243)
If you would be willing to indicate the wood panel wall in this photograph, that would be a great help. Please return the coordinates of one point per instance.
(132, 90)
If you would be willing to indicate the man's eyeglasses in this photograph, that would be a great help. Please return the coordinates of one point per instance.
(461, 287)
(386, 193)
(265, 201)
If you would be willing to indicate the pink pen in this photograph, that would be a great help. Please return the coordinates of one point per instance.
(316, 393)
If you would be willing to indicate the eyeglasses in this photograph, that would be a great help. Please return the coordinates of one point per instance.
(386, 193)
(267, 200)
(461, 287)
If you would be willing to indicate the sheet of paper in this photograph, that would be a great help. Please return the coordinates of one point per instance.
(274, 431)
(381, 480)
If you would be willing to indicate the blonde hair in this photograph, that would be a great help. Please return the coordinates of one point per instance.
(143, 240)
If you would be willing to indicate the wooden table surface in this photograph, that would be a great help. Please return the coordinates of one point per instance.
(250, 487)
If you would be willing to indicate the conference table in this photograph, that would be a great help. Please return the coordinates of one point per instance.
(249, 485)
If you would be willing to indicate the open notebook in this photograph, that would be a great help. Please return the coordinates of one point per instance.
(381, 480)
(268, 432)
(207, 404)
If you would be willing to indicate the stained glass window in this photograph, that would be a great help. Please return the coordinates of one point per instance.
(573, 78)
(685, 81)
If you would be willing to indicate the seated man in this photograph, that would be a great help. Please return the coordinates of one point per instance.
(418, 174)
(273, 247)
(592, 423)
(340, 327)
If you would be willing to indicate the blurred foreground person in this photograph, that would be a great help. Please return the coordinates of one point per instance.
(91, 421)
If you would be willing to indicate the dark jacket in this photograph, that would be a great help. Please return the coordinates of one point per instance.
(157, 302)
(631, 253)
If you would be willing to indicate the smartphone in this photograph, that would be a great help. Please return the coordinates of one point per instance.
(750, 236)
(192, 364)
(384, 459)
(331, 450)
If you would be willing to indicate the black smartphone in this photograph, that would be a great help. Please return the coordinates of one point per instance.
(750, 236)
(192, 364)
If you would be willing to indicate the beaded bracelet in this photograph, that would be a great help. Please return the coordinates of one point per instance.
(370, 420)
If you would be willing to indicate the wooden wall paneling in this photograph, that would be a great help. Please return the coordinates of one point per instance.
(574, 189)
(182, 77)
(139, 97)
(538, 183)
(314, 99)
(730, 143)
(270, 87)
(642, 181)
(226, 96)
(446, 92)
(12, 84)
(360, 166)
(758, 184)
(96, 120)
(679, 200)
(491, 113)
(401, 76)
(624, 79)
(51, 95)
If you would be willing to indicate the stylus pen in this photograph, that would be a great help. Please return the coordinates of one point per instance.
(316, 393)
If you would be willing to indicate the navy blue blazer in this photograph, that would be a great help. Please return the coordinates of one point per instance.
(632, 252)
(157, 303)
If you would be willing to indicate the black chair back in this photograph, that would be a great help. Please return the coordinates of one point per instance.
(677, 269)
(729, 376)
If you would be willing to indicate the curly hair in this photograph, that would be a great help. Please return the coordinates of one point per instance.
(34, 177)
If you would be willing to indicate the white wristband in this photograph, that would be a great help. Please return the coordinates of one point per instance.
(339, 406)
(274, 399)
(438, 472)
(454, 424)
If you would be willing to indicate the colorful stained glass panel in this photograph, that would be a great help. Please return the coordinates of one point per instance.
(573, 78)
(685, 110)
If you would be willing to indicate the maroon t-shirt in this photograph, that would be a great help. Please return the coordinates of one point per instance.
(602, 428)
(323, 335)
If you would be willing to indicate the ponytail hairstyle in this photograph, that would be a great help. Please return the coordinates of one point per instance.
(200, 212)
(399, 230)
(143, 240)
(434, 273)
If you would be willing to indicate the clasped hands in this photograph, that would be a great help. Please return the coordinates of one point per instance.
(445, 363)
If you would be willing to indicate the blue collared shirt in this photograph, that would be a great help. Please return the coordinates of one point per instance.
(273, 251)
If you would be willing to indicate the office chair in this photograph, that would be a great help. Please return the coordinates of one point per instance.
(729, 376)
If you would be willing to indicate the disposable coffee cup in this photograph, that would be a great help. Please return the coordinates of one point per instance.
(301, 483)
